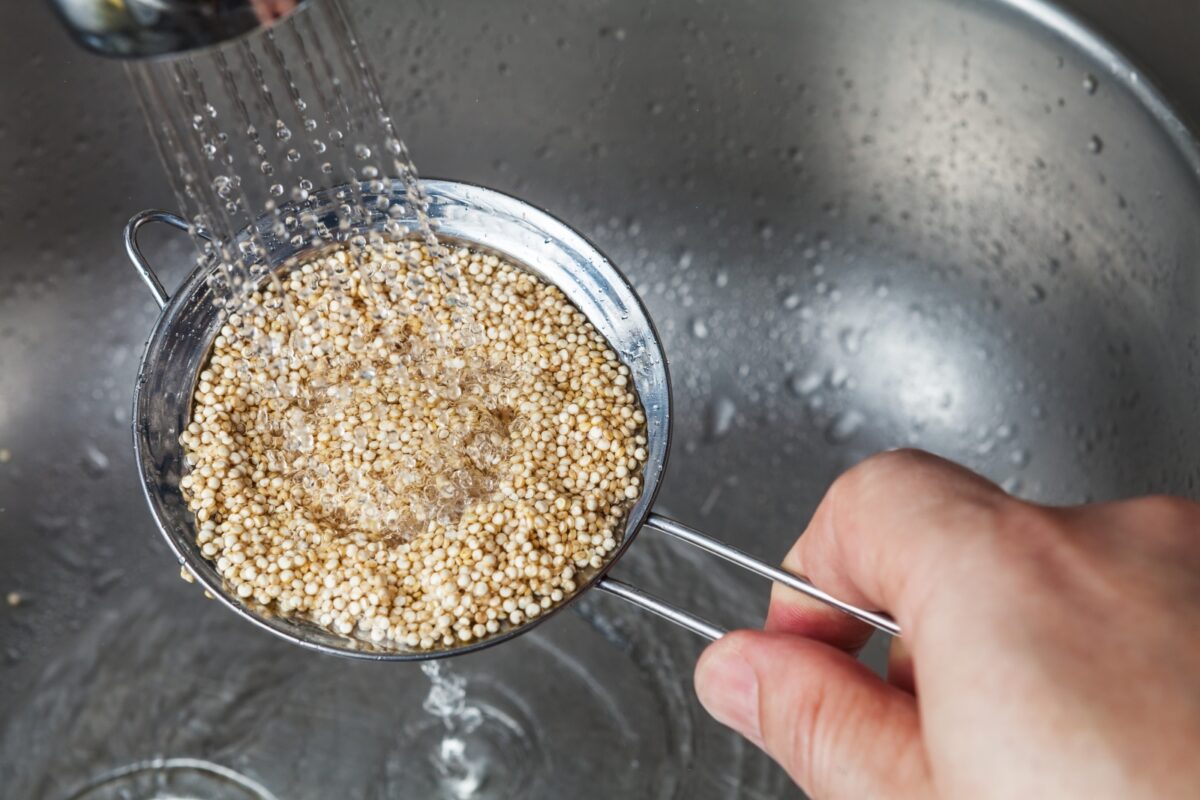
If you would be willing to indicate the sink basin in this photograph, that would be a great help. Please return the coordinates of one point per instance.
(962, 226)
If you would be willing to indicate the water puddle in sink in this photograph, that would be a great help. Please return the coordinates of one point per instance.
(596, 702)
(172, 779)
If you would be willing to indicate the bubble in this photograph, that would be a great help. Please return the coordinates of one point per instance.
(362, 151)
(293, 155)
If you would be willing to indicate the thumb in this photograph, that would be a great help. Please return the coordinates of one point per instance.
(835, 727)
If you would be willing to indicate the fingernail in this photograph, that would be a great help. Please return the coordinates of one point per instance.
(728, 689)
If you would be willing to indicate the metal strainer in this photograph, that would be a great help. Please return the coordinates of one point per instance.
(461, 214)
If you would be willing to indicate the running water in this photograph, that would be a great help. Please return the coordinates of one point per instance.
(279, 144)
(250, 143)
(459, 772)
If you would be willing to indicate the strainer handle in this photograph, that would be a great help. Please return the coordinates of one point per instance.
(135, 253)
(697, 625)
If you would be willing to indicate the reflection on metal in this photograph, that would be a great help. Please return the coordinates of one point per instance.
(148, 28)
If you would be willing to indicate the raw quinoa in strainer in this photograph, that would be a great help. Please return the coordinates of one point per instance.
(414, 453)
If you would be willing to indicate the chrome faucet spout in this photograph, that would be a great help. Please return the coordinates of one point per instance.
(154, 28)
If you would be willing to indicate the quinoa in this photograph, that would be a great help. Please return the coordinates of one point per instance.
(413, 453)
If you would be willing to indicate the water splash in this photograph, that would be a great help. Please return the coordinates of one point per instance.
(459, 773)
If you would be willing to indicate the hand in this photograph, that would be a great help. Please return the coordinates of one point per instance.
(1046, 652)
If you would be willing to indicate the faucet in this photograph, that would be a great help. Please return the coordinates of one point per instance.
(148, 28)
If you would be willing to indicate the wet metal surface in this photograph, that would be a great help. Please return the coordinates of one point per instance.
(857, 225)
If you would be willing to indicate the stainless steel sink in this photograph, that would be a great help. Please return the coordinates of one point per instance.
(965, 226)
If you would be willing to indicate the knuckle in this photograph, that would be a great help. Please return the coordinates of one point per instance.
(1020, 531)
(1168, 525)
(1167, 512)
(855, 486)
(881, 467)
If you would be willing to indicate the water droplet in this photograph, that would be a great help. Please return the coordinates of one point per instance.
(265, 168)
(699, 328)
(838, 376)
(843, 427)
(1011, 484)
(362, 151)
(282, 132)
(293, 155)
(720, 418)
(805, 384)
(883, 287)
(791, 301)
(107, 579)
(1020, 457)
(851, 340)
(1095, 144)
(1090, 84)
(277, 189)
(721, 279)
(95, 463)
(1037, 293)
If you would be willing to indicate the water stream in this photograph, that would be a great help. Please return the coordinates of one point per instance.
(250, 133)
